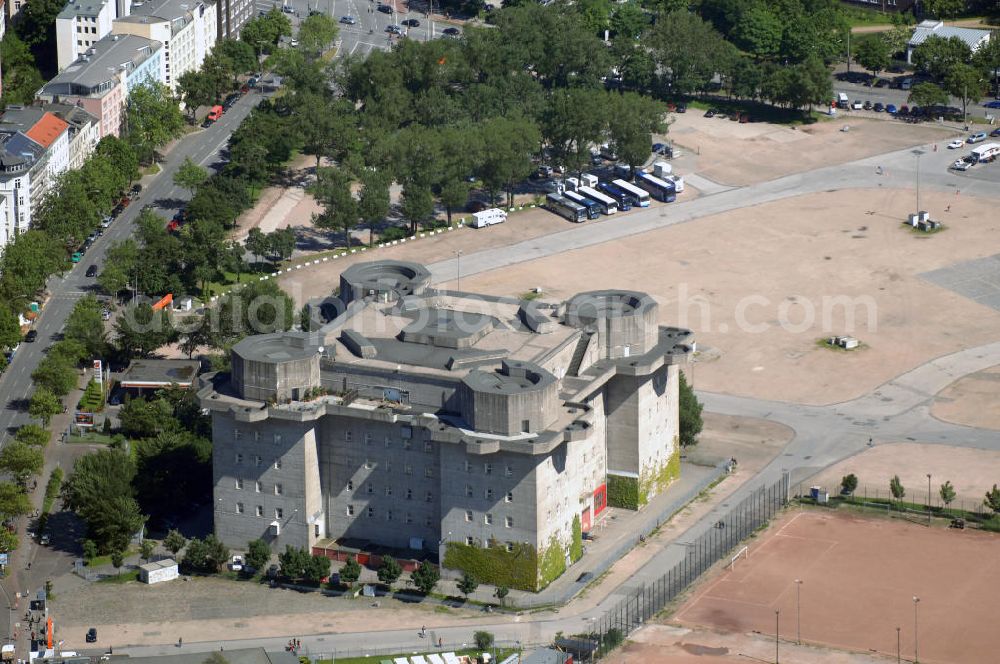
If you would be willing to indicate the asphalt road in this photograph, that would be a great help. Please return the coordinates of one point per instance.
(205, 147)
(368, 34)
(860, 92)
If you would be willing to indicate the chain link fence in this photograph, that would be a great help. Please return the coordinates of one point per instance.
(711, 546)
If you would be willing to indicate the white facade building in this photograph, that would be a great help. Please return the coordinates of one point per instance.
(80, 25)
(187, 30)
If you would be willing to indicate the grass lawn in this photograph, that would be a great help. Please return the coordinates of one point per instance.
(90, 438)
(124, 577)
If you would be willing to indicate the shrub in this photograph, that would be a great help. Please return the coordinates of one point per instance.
(484, 640)
(849, 483)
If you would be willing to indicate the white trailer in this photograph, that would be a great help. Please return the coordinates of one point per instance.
(488, 218)
(588, 180)
(985, 153)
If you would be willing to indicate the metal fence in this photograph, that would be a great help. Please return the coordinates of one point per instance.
(916, 499)
(644, 523)
(713, 545)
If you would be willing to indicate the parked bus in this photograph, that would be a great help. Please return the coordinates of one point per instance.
(641, 196)
(624, 200)
(607, 204)
(565, 208)
(657, 188)
(593, 209)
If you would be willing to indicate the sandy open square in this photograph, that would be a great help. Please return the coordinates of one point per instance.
(859, 577)
(973, 400)
(737, 154)
(761, 285)
(972, 472)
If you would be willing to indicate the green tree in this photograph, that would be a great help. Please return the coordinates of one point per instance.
(86, 326)
(689, 413)
(947, 493)
(896, 488)
(141, 330)
(943, 8)
(281, 243)
(21, 461)
(317, 568)
(100, 491)
(992, 499)
(927, 94)
(350, 572)
(26, 264)
(146, 549)
(43, 405)
(257, 243)
(21, 76)
(508, 146)
(316, 33)
(258, 554)
(89, 549)
(340, 208)
(13, 501)
(874, 55)
(140, 417)
(263, 32)
(190, 175)
(117, 152)
(239, 55)
(207, 556)
(848, 484)
(636, 119)
(152, 118)
(965, 82)
(425, 577)
(484, 640)
(467, 584)
(32, 434)
(501, 593)
(689, 52)
(628, 21)
(389, 571)
(373, 205)
(759, 31)
(176, 469)
(117, 560)
(417, 205)
(10, 330)
(293, 562)
(196, 89)
(937, 55)
(174, 542)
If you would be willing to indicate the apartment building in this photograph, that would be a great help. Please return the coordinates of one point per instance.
(447, 426)
(100, 79)
(84, 131)
(34, 150)
(187, 30)
(232, 16)
(80, 25)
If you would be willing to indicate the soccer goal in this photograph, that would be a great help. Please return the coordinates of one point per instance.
(744, 553)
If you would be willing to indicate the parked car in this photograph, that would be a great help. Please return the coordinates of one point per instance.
(348, 20)
(956, 144)
(106, 314)
(411, 23)
(995, 133)
(92, 635)
(867, 106)
(288, 9)
(293, 42)
(904, 110)
(237, 564)
(710, 113)
(890, 108)
(992, 104)
(881, 83)
(978, 137)
(385, 9)
(452, 32)
(394, 29)
(92, 271)
(44, 539)
(682, 107)
(878, 107)
(961, 165)
(31, 336)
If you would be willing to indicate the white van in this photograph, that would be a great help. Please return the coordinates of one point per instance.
(488, 218)
(843, 101)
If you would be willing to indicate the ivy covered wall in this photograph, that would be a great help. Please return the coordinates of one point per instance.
(495, 565)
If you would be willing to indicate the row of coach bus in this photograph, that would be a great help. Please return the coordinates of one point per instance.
(588, 202)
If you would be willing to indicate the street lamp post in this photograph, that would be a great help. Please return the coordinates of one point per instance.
(916, 651)
(798, 611)
(458, 255)
(777, 614)
(928, 497)
(898, 660)
(917, 153)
